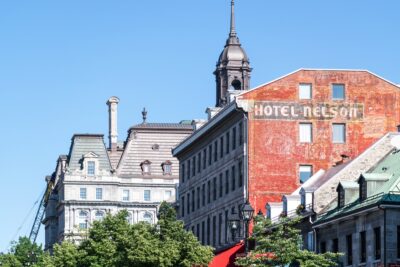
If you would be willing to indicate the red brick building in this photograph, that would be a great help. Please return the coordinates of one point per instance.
(258, 144)
(368, 108)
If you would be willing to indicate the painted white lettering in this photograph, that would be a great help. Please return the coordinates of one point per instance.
(316, 111)
(324, 112)
(258, 110)
(285, 111)
(268, 110)
(293, 113)
(333, 111)
(307, 112)
(343, 112)
(276, 110)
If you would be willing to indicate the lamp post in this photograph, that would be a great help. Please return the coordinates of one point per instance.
(247, 212)
(234, 222)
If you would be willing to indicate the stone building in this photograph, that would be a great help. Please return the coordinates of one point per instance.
(261, 144)
(365, 224)
(92, 179)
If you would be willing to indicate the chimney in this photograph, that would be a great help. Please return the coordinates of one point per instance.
(112, 122)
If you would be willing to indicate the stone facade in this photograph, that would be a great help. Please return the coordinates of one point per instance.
(93, 180)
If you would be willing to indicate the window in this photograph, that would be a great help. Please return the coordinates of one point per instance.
(349, 248)
(305, 91)
(204, 158)
(221, 147)
(209, 154)
(83, 219)
(221, 185)
(322, 247)
(198, 231)
(145, 165)
(338, 91)
(82, 193)
(226, 226)
(188, 203)
(167, 194)
(305, 172)
(338, 133)
(240, 165)
(198, 197)
(214, 231)
(363, 247)
(146, 195)
(234, 138)
(227, 182)
(182, 206)
(335, 245)
(220, 229)
(91, 168)
(305, 132)
(215, 188)
(189, 171)
(208, 231)
(203, 239)
(310, 241)
(208, 191)
(233, 173)
(203, 195)
(199, 163)
(377, 239)
(194, 166)
(147, 217)
(183, 172)
(99, 215)
(240, 134)
(167, 168)
(193, 200)
(125, 195)
(99, 193)
(227, 143)
(215, 151)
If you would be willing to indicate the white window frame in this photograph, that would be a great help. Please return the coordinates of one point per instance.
(305, 95)
(91, 168)
(83, 193)
(147, 217)
(83, 219)
(343, 140)
(96, 215)
(99, 193)
(344, 91)
(144, 195)
(303, 131)
(304, 166)
(125, 195)
(166, 197)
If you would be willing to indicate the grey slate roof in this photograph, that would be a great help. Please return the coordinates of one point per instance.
(168, 126)
(85, 143)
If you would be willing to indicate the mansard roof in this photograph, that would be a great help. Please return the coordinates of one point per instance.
(162, 126)
(83, 144)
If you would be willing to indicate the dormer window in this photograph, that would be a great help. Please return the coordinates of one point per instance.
(145, 165)
(90, 164)
(167, 167)
(91, 168)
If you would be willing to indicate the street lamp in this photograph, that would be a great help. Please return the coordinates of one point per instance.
(247, 212)
(234, 222)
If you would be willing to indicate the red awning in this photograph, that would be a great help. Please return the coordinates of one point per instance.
(226, 258)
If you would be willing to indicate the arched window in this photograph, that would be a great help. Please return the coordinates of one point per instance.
(167, 167)
(99, 215)
(83, 219)
(236, 84)
(147, 217)
(145, 165)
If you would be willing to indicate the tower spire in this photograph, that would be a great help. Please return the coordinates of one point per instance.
(232, 32)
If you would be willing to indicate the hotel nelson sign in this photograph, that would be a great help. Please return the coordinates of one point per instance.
(269, 110)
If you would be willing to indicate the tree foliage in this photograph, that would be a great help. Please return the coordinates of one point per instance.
(113, 242)
(22, 253)
(280, 245)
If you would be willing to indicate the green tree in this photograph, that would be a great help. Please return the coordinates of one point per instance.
(9, 260)
(22, 253)
(280, 245)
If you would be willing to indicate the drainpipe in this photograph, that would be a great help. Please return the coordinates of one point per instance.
(246, 154)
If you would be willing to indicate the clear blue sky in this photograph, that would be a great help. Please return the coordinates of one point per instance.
(61, 60)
